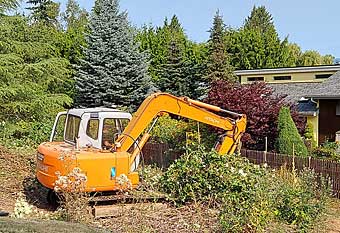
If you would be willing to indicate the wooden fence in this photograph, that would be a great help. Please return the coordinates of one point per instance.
(162, 156)
(159, 154)
(328, 168)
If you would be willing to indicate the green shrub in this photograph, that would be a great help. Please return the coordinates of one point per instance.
(300, 200)
(327, 150)
(181, 133)
(169, 130)
(288, 135)
(24, 133)
(309, 135)
(322, 152)
(151, 176)
(228, 181)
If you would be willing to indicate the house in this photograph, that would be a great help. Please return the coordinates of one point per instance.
(310, 74)
(315, 90)
(327, 98)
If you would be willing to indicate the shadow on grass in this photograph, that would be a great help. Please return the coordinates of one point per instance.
(36, 194)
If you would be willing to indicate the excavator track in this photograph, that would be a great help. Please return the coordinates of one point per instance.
(105, 205)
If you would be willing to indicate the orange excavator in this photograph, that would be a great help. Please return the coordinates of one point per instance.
(106, 142)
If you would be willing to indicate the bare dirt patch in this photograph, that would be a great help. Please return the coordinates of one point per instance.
(17, 175)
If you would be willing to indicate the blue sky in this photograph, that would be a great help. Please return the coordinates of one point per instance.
(312, 24)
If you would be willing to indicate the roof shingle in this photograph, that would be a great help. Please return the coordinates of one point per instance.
(329, 89)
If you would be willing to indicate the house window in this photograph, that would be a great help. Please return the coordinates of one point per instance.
(277, 78)
(321, 76)
(255, 79)
(337, 112)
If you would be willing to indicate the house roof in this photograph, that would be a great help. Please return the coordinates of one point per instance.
(307, 107)
(329, 89)
(294, 91)
(325, 68)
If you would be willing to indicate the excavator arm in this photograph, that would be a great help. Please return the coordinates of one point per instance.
(159, 103)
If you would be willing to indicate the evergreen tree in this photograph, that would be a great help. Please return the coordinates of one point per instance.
(260, 19)
(44, 11)
(173, 74)
(218, 67)
(75, 20)
(156, 41)
(257, 44)
(170, 50)
(314, 58)
(113, 70)
(6, 5)
(295, 53)
(74, 16)
(288, 135)
(35, 82)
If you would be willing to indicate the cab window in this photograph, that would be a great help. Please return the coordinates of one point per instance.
(122, 124)
(111, 129)
(92, 128)
(58, 134)
(72, 128)
(109, 132)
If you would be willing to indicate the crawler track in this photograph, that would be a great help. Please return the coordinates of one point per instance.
(111, 204)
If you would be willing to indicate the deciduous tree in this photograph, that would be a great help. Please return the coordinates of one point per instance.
(259, 104)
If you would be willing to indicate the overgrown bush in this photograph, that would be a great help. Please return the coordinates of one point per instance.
(229, 181)
(247, 195)
(151, 176)
(24, 133)
(301, 199)
(178, 133)
(327, 150)
(169, 130)
(289, 139)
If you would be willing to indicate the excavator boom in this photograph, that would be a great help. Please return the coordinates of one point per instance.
(162, 102)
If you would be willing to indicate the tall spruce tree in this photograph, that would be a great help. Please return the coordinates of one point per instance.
(113, 70)
(260, 19)
(173, 73)
(44, 11)
(218, 64)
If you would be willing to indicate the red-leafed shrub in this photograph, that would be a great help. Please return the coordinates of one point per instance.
(262, 108)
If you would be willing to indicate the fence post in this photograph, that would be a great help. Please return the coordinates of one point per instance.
(309, 159)
(265, 149)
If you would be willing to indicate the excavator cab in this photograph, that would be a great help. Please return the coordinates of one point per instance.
(88, 134)
(91, 127)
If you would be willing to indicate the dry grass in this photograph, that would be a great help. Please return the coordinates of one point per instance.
(146, 217)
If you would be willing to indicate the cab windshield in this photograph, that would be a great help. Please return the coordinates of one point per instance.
(72, 128)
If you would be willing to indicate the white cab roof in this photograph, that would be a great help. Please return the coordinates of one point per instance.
(80, 111)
